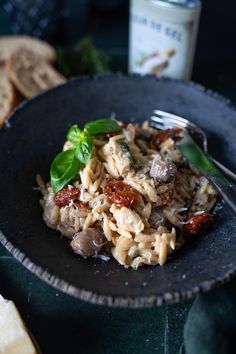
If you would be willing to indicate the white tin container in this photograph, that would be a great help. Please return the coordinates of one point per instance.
(163, 36)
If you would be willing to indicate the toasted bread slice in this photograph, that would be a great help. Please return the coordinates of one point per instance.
(9, 44)
(7, 96)
(30, 74)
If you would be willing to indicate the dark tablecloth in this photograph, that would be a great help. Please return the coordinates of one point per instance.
(65, 325)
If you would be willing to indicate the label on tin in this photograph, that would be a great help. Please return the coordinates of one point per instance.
(158, 46)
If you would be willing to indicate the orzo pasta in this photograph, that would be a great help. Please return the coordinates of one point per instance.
(136, 199)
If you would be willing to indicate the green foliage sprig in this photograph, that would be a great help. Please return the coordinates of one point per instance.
(67, 164)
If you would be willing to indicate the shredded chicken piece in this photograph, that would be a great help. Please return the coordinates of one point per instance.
(117, 161)
(127, 219)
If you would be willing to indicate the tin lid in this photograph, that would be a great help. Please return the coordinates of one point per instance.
(191, 4)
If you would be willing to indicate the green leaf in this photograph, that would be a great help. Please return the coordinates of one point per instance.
(83, 143)
(193, 153)
(64, 168)
(82, 59)
(102, 126)
(66, 165)
(74, 134)
(84, 148)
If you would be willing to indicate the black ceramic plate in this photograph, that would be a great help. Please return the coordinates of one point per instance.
(37, 132)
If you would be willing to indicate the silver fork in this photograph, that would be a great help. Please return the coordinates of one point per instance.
(164, 120)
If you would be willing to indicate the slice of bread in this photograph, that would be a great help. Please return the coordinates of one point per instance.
(14, 338)
(9, 44)
(30, 74)
(7, 96)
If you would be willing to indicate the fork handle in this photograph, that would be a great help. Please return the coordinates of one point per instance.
(225, 189)
(224, 169)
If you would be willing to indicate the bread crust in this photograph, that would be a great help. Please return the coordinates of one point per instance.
(9, 44)
(7, 96)
(30, 74)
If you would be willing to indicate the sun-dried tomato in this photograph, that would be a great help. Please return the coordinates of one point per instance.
(197, 224)
(82, 207)
(161, 136)
(66, 196)
(120, 193)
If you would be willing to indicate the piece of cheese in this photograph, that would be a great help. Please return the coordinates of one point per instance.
(14, 338)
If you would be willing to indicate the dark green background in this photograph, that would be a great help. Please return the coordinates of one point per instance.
(106, 21)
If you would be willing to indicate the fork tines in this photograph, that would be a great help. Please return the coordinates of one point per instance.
(164, 120)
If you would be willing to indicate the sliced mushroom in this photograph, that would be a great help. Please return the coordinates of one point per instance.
(156, 219)
(162, 170)
(88, 243)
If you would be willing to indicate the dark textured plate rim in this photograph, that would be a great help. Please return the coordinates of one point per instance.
(95, 298)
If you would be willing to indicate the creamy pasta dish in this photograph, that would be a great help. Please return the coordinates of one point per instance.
(124, 190)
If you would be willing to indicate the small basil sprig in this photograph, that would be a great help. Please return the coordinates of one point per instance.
(64, 167)
(102, 126)
(73, 134)
(83, 143)
(84, 148)
(67, 164)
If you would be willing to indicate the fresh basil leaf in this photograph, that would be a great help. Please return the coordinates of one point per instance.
(64, 167)
(73, 134)
(84, 148)
(102, 126)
